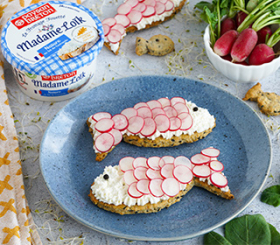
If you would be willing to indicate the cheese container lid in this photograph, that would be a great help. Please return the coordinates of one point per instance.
(35, 38)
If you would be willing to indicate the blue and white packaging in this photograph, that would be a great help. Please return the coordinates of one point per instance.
(53, 47)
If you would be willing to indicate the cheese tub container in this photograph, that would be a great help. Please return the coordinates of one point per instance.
(52, 48)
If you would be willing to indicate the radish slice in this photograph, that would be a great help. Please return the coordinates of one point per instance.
(176, 100)
(162, 122)
(175, 123)
(106, 29)
(114, 36)
(160, 8)
(120, 28)
(109, 21)
(155, 187)
(104, 142)
(143, 186)
(135, 124)
(140, 162)
(216, 166)
(153, 162)
(182, 160)
(104, 125)
(132, 3)
(128, 177)
(167, 159)
(153, 174)
(144, 112)
(201, 171)
(121, 122)
(187, 121)
(117, 136)
(164, 102)
(124, 9)
(150, 3)
(167, 170)
(140, 173)
(133, 192)
(150, 11)
(135, 17)
(157, 111)
(170, 111)
(183, 174)
(122, 19)
(141, 7)
(181, 107)
(169, 5)
(149, 127)
(125, 164)
(140, 104)
(129, 112)
(210, 152)
(199, 159)
(162, 1)
(154, 104)
(99, 115)
(218, 179)
(170, 187)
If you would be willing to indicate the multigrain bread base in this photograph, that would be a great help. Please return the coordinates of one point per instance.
(157, 142)
(153, 208)
(132, 29)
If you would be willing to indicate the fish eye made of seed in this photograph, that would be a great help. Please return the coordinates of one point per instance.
(195, 109)
(105, 176)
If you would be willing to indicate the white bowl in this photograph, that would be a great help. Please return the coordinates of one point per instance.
(235, 72)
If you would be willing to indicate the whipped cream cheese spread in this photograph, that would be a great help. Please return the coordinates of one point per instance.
(202, 120)
(42, 41)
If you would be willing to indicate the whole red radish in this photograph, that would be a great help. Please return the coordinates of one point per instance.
(264, 34)
(240, 17)
(227, 25)
(261, 54)
(224, 44)
(244, 44)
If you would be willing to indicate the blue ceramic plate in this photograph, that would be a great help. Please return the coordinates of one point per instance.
(69, 167)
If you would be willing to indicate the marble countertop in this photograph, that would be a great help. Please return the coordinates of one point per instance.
(188, 60)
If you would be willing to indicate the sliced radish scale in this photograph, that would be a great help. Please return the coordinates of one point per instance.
(136, 124)
(157, 111)
(170, 111)
(140, 104)
(140, 173)
(150, 11)
(162, 122)
(106, 29)
(104, 125)
(175, 100)
(153, 174)
(175, 123)
(218, 179)
(210, 152)
(216, 166)
(169, 5)
(154, 104)
(153, 162)
(187, 121)
(104, 142)
(109, 21)
(121, 122)
(141, 7)
(181, 107)
(129, 112)
(128, 177)
(199, 159)
(135, 17)
(144, 112)
(120, 28)
(133, 192)
(126, 164)
(124, 9)
(140, 162)
(162, 1)
(164, 102)
(167, 170)
(182, 160)
(166, 160)
(149, 127)
(99, 115)
(201, 171)
(155, 187)
(160, 8)
(170, 187)
(150, 3)
(117, 136)
(183, 174)
(114, 36)
(143, 186)
(132, 3)
(123, 20)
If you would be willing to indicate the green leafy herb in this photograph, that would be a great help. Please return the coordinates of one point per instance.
(275, 236)
(271, 195)
(213, 238)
